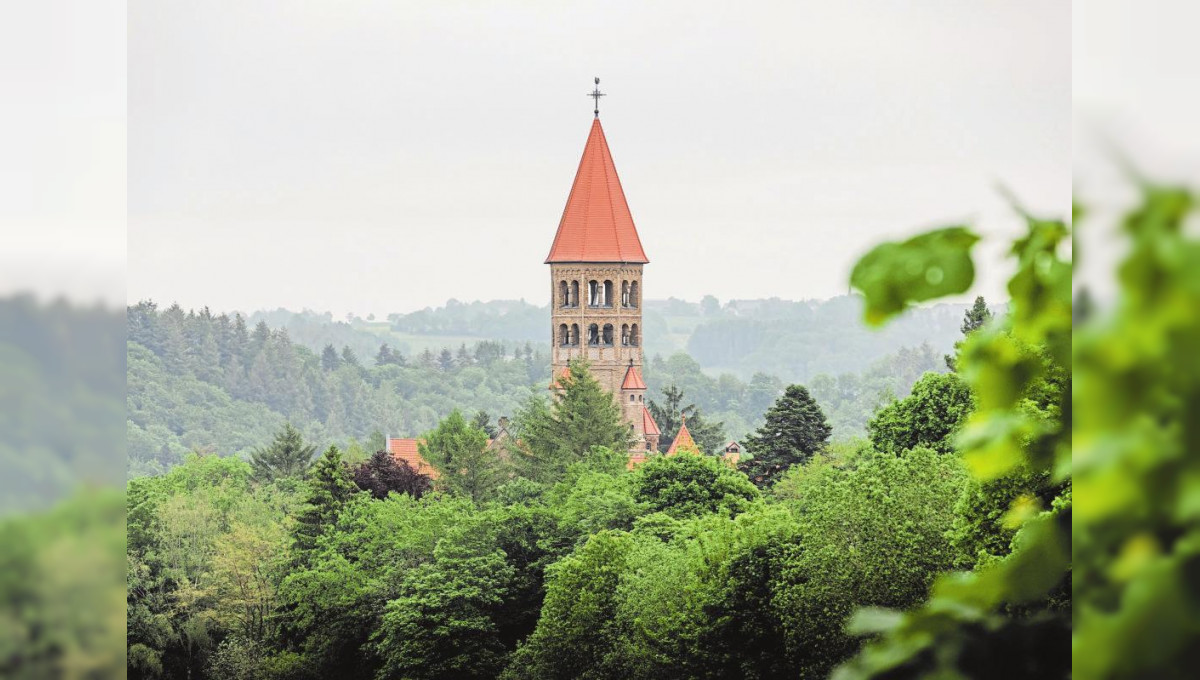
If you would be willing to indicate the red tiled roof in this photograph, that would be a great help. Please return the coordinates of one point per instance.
(683, 442)
(408, 451)
(648, 424)
(633, 379)
(596, 225)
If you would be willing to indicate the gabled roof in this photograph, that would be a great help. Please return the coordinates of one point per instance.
(408, 450)
(683, 442)
(648, 424)
(596, 225)
(633, 379)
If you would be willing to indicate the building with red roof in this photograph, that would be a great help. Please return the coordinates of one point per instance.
(596, 261)
(409, 451)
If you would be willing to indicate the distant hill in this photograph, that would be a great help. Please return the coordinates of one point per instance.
(62, 386)
(794, 340)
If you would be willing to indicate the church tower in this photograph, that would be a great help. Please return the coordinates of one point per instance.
(596, 264)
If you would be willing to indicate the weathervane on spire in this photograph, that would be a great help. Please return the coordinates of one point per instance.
(596, 94)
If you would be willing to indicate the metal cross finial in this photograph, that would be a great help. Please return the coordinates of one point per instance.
(596, 94)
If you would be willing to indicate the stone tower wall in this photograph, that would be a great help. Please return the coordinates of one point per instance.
(608, 362)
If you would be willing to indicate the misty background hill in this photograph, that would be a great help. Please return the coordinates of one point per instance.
(793, 340)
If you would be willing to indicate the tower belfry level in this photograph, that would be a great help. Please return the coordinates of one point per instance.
(596, 265)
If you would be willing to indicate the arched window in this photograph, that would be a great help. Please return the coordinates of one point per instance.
(624, 293)
(564, 294)
(608, 294)
(633, 294)
(574, 293)
(564, 335)
(633, 335)
(632, 397)
(608, 334)
(594, 293)
(593, 334)
(574, 334)
(625, 334)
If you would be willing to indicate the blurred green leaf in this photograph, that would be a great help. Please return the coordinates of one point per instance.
(927, 266)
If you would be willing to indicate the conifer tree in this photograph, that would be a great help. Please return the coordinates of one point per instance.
(384, 356)
(445, 359)
(349, 357)
(330, 489)
(460, 453)
(329, 358)
(976, 316)
(483, 421)
(462, 357)
(973, 319)
(241, 339)
(287, 456)
(795, 429)
(583, 415)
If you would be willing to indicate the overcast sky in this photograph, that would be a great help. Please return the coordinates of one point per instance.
(62, 148)
(384, 156)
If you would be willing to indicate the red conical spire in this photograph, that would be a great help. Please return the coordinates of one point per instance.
(596, 225)
(633, 379)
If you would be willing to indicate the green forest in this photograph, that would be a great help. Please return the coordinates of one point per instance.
(545, 556)
(945, 543)
(199, 382)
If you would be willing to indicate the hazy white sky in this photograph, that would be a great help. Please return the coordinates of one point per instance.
(383, 156)
(62, 148)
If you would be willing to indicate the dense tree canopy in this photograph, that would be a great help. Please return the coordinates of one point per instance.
(930, 416)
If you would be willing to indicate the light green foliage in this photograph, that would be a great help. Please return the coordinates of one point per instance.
(577, 631)
(287, 456)
(61, 603)
(443, 621)
(334, 602)
(794, 430)
(699, 604)
(927, 266)
(581, 416)
(591, 501)
(687, 486)
(1136, 536)
(206, 549)
(871, 535)
(968, 627)
(929, 417)
(459, 451)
